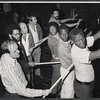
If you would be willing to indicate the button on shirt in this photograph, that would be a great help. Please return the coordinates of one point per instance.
(83, 67)
(13, 77)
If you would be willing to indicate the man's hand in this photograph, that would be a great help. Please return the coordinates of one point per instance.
(74, 18)
(78, 22)
(46, 92)
(30, 50)
(31, 64)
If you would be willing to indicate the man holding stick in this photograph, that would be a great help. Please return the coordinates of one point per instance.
(64, 50)
(82, 57)
(12, 74)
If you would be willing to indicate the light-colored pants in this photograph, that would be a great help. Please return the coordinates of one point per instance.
(67, 90)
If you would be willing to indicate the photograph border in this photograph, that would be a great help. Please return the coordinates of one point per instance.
(49, 1)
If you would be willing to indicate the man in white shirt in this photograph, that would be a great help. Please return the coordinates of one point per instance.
(27, 40)
(82, 57)
(12, 75)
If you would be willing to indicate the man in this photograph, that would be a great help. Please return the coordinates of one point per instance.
(12, 75)
(53, 39)
(82, 57)
(55, 18)
(64, 51)
(12, 31)
(27, 40)
(36, 31)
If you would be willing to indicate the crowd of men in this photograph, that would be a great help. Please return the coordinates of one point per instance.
(21, 51)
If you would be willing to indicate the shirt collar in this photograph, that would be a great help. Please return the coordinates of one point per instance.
(6, 55)
(74, 46)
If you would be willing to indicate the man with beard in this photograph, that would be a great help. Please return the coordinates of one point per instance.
(12, 31)
(55, 18)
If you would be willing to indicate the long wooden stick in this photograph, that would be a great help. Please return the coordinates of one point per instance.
(40, 42)
(67, 71)
(45, 63)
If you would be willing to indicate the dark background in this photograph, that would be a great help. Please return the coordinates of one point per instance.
(89, 12)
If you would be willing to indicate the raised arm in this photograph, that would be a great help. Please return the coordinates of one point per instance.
(97, 35)
(94, 55)
(65, 20)
(74, 24)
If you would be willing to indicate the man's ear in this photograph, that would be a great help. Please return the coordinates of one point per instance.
(71, 41)
(10, 36)
(51, 15)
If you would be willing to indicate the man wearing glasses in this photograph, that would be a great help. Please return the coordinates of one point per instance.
(13, 33)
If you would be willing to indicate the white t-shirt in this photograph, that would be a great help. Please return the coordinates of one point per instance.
(83, 67)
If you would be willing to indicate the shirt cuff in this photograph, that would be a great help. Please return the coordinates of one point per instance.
(38, 93)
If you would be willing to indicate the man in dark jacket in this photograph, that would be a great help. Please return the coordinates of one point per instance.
(12, 31)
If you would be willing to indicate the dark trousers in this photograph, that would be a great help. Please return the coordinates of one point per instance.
(83, 90)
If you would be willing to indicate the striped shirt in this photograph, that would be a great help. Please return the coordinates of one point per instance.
(13, 77)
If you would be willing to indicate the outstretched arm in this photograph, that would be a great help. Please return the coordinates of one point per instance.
(65, 20)
(74, 24)
(97, 35)
(94, 55)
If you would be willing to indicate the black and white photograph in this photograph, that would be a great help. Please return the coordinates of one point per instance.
(49, 49)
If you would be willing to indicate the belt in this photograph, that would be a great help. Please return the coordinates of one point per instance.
(85, 83)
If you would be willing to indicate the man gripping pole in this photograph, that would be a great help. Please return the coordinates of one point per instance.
(63, 76)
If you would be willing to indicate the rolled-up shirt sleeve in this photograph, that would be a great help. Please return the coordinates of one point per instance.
(90, 41)
(82, 56)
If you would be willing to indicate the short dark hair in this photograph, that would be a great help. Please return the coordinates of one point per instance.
(10, 28)
(63, 26)
(54, 9)
(29, 17)
(53, 24)
(75, 32)
(5, 45)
